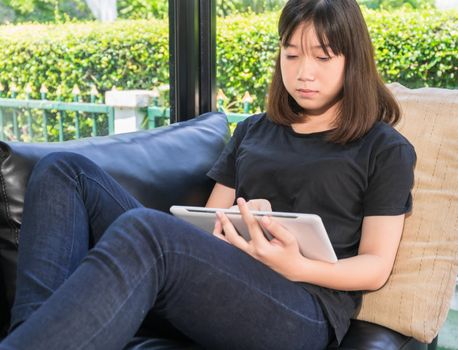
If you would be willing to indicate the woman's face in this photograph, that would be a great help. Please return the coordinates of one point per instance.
(311, 77)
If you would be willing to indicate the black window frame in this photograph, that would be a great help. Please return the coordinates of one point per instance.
(192, 43)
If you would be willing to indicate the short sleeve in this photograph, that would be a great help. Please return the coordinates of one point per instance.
(223, 171)
(391, 182)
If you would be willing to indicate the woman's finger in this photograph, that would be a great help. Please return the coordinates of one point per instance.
(254, 230)
(230, 233)
(218, 231)
(217, 228)
(277, 231)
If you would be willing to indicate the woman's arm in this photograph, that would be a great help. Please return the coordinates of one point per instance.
(369, 270)
(221, 197)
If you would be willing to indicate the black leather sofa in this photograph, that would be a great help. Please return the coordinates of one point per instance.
(160, 167)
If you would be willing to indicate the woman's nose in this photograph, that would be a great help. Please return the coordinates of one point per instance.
(306, 71)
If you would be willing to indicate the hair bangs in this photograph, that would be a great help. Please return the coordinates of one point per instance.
(291, 18)
(322, 15)
(327, 29)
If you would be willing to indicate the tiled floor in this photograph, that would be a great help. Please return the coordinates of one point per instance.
(448, 336)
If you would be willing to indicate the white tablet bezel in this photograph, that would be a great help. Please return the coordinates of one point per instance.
(308, 229)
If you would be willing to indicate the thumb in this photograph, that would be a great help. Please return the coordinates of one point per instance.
(264, 205)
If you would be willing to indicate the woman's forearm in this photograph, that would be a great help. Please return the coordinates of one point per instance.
(368, 270)
(361, 272)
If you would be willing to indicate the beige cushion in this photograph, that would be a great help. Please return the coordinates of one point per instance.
(417, 296)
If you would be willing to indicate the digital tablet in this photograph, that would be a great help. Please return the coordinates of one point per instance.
(308, 229)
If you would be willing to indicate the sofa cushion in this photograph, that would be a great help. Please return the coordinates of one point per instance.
(417, 296)
(159, 167)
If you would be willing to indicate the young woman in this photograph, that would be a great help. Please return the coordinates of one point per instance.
(325, 146)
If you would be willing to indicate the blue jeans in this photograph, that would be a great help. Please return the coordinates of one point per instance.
(93, 263)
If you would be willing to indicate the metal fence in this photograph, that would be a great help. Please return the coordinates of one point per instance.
(43, 120)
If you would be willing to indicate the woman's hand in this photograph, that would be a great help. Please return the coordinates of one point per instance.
(281, 253)
(257, 204)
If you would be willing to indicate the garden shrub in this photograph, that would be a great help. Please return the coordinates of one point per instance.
(416, 48)
(123, 54)
(246, 48)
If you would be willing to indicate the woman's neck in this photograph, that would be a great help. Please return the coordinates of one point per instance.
(318, 122)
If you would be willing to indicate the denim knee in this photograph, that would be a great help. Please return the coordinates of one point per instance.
(67, 162)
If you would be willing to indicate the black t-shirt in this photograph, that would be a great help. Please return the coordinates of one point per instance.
(304, 173)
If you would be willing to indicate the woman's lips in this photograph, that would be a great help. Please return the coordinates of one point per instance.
(306, 92)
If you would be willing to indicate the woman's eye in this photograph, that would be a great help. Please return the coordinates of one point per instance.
(291, 57)
(324, 58)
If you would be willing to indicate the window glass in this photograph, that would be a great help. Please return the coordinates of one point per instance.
(76, 51)
(247, 43)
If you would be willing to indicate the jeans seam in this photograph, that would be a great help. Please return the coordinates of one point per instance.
(73, 240)
(324, 322)
(89, 178)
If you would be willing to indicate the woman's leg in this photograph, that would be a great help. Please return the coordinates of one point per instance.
(69, 202)
(209, 290)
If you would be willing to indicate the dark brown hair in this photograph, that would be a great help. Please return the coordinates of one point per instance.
(339, 24)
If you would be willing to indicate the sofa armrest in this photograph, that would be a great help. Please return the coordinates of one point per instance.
(364, 335)
(361, 336)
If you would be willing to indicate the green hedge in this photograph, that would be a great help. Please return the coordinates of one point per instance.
(125, 54)
(415, 48)
(246, 49)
